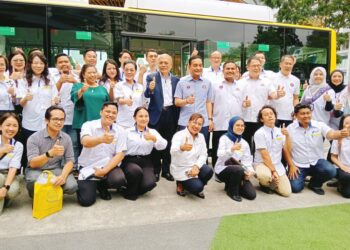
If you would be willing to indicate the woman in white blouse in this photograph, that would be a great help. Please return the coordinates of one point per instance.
(129, 95)
(234, 164)
(188, 158)
(137, 164)
(7, 88)
(110, 77)
(10, 159)
(340, 155)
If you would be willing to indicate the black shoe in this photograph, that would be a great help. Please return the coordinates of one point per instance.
(180, 190)
(236, 198)
(168, 176)
(157, 177)
(200, 195)
(266, 190)
(104, 194)
(130, 197)
(317, 190)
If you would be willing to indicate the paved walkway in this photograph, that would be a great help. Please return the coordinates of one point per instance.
(158, 220)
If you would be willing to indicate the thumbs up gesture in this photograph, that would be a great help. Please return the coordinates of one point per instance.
(247, 102)
(152, 84)
(149, 137)
(338, 105)
(305, 85)
(345, 132)
(128, 101)
(186, 146)
(57, 99)
(236, 146)
(280, 91)
(57, 149)
(6, 148)
(190, 99)
(284, 131)
(107, 137)
(29, 95)
(327, 97)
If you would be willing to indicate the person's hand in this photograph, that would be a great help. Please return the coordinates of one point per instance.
(338, 106)
(84, 88)
(327, 97)
(28, 96)
(129, 101)
(248, 175)
(67, 78)
(99, 172)
(275, 177)
(11, 91)
(57, 99)
(107, 137)
(6, 148)
(152, 84)
(236, 146)
(293, 172)
(112, 84)
(247, 102)
(59, 181)
(16, 75)
(190, 99)
(284, 131)
(142, 69)
(305, 85)
(280, 91)
(3, 192)
(186, 146)
(193, 172)
(194, 52)
(211, 126)
(57, 149)
(149, 137)
(345, 132)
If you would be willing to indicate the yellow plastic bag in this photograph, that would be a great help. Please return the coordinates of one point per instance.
(47, 198)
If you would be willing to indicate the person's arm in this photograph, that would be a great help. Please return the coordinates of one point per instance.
(9, 179)
(62, 178)
(113, 163)
(339, 164)
(160, 143)
(209, 107)
(337, 134)
(202, 159)
(265, 155)
(181, 102)
(295, 99)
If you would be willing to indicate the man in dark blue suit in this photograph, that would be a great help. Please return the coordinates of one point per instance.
(163, 113)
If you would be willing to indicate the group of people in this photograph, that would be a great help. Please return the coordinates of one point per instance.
(124, 128)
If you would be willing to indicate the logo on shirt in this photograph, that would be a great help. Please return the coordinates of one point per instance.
(221, 87)
(204, 86)
(188, 87)
(262, 84)
(292, 84)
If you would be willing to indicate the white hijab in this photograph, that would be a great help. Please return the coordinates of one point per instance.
(314, 87)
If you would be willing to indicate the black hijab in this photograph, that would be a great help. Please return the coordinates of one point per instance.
(341, 86)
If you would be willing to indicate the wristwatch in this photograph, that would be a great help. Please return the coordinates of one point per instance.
(48, 155)
(7, 187)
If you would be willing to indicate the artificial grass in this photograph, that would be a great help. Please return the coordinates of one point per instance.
(326, 227)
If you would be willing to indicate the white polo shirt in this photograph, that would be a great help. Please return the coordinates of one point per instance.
(307, 144)
(227, 100)
(269, 74)
(138, 145)
(258, 92)
(224, 153)
(5, 98)
(125, 113)
(34, 110)
(344, 151)
(284, 106)
(319, 113)
(12, 159)
(91, 156)
(273, 141)
(64, 93)
(182, 161)
(215, 77)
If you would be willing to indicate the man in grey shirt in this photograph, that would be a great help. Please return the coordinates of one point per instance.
(49, 149)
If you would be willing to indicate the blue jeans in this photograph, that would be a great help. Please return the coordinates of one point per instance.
(196, 185)
(73, 135)
(321, 172)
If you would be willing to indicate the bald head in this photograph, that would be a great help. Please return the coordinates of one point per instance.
(165, 63)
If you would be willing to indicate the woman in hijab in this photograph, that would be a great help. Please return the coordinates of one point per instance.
(337, 84)
(234, 164)
(320, 95)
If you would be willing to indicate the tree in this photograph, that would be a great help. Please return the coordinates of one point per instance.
(323, 13)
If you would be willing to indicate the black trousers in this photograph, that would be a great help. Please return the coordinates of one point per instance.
(344, 183)
(87, 188)
(248, 134)
(235, 184)
(139, 173)
(25, 134)
(215, 145)
(166, 127)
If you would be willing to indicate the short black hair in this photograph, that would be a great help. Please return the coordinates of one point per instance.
(227, 62)
(106, 104)
(88, 50)
(138, 109)
(130, 62)
(123, 52)
(300, 106)
(266, 107)
(60, 55)
(50, 109)
(194, 58)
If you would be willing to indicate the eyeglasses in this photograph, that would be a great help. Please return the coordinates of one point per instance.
(57, 119)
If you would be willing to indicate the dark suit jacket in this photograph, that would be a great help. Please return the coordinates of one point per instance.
(156, 98)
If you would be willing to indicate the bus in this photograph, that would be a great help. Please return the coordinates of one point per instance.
(71, 28)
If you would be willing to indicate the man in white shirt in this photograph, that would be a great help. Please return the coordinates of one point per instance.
(227, 102)
(104, 145)
(289, 87)
(256, 92)
(306, 157)
(264, 73)
(214, 72)
(124, 55)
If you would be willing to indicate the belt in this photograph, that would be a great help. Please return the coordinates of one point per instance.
(166, 108)
(4, 171)
(137, 156)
